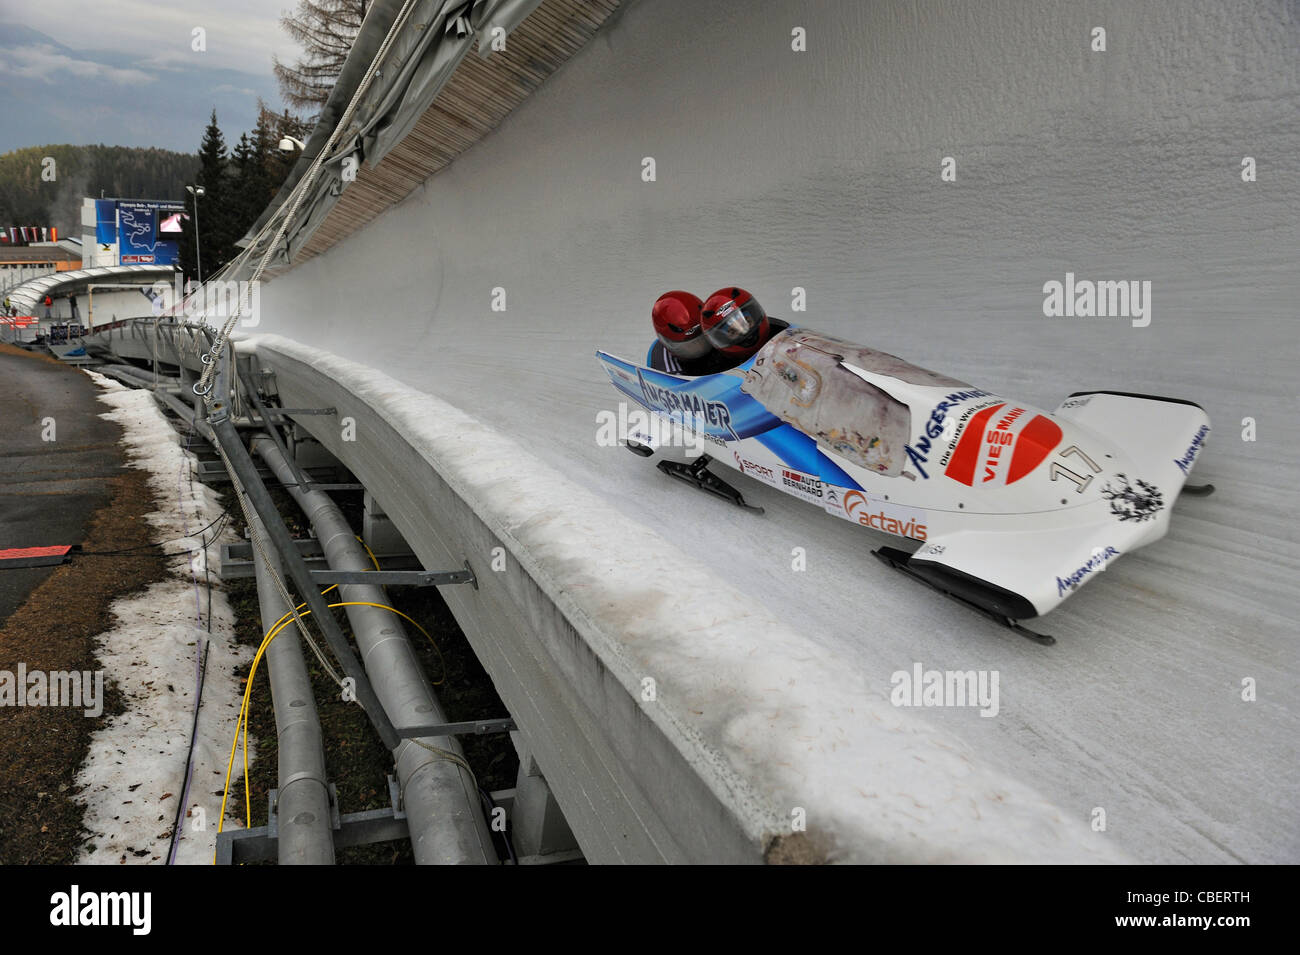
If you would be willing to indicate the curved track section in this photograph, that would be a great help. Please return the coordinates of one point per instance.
(821, 170)
(662, 740)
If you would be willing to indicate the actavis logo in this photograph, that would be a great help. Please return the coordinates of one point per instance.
(892, 519)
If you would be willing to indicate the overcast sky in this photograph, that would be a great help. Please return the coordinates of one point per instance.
(124, 73)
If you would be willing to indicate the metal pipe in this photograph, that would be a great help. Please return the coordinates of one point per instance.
(440, 798)
(248, 482)
(192, 413)
(302, 809)
(304, 822)
(134, 376)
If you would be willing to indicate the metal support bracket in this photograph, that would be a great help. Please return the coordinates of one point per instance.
(314, 486)
(468, 728)
(226, 434)
(238, 846)
(395, 578)
(395, 797)
(281, 412)
(271, 430)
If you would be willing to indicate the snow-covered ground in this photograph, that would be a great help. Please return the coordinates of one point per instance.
(134, 774)
(821, 170)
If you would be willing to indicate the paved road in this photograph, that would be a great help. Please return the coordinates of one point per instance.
(48, 489)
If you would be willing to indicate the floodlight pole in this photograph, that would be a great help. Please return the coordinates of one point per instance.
(196, 192)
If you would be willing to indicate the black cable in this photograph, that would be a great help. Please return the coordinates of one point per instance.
(114, 553)
(129, 551)
(189, 756)
(207, 578)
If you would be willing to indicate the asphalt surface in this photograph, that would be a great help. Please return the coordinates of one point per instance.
(49, 489)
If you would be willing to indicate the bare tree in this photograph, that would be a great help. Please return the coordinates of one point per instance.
(325, 29)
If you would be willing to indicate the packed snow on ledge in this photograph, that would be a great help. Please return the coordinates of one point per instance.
(134, 773)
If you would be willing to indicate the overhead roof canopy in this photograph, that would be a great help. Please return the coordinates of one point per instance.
(29, 295)
(428, 103)
(37, 254)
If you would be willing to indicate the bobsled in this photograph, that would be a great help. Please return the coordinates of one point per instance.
(1005, 507)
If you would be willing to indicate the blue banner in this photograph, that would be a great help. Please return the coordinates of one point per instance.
(142, 243)
(105, 221)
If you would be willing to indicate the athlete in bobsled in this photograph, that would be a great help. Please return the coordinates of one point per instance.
(694, 337)
(1011, 509)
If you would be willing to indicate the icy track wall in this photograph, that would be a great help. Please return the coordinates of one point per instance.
(822, 169)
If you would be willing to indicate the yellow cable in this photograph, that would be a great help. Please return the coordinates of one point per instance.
(441, 662)
(248, 690)
(278, 626)
(271, 634)
(373, 559)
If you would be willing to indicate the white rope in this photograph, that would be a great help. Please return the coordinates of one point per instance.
(284, 214)
(295, 201)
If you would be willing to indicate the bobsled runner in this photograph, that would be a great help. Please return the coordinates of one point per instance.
(1007, 508)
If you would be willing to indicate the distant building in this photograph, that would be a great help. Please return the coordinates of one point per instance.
(131, 231)
(23, 262)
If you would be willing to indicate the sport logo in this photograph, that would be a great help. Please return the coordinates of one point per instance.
(763, 473)
(1001, 445)
(873, 514)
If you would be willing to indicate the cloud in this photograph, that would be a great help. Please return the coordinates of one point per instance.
(48, 64)
(229, 88)
(85, 61)
(240, 34)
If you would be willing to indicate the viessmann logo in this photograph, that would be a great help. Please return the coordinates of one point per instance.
(1001, 445)
(874, 515)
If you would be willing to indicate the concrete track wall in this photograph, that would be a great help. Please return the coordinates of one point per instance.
(821, 170)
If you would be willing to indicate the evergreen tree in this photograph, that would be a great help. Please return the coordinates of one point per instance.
(265, 144)
(248, 185)
(28, 198)
(238, 186)
(214, 213)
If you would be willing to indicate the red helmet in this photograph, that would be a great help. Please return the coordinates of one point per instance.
(676, 317)
(734, 322)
